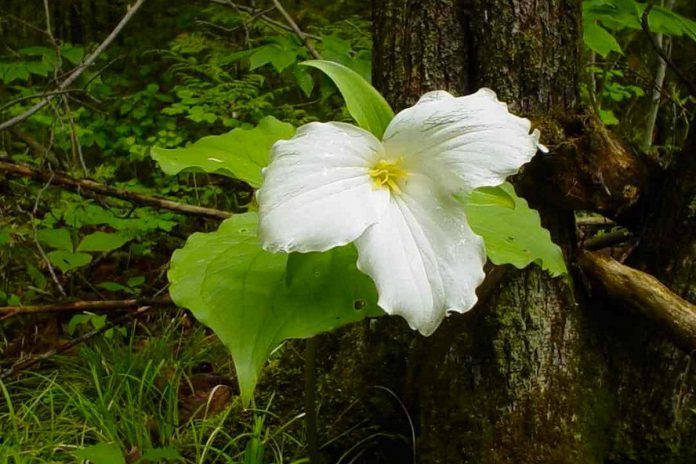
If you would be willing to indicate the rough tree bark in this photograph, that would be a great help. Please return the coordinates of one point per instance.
(514, 380)
(538, 372)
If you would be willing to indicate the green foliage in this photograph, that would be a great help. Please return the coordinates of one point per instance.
(367, 106)
(599, 39)
(240, 153)
(125, 396)
(626, 14)
(252, 304)
(102, 241)
(512, 231)
(66, 261)
(102, 453)
(621, 74)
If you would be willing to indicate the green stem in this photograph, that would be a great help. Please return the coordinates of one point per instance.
(310, 391)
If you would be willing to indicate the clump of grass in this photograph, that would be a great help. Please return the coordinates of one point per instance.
(128, 391)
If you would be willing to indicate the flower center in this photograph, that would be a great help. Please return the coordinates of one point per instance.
(386, 173)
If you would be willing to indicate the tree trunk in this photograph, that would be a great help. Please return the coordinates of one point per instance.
(539, 371)
(654, 382)
(514, 380)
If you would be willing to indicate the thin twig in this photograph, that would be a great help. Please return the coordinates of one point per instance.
(86, 185)
(23, 365)
(657, 91)
(51, 271)
(37, 95)
(78, 306)
(74, 139)
(303, 37)
(660, 51)
(77, 71)
(260, 15)
(607, 240)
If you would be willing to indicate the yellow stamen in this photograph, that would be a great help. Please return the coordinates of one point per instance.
(386, 173)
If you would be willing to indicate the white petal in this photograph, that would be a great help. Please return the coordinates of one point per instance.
(462, 143)
(423, 257)
(317, 192)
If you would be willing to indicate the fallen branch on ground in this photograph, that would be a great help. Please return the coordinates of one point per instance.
(79, 185)
(23, 365)
(645, 293)
(77, 306)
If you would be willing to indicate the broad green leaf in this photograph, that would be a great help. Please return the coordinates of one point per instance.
(367, 106)
(135, 281)
(67, 261)
(627, 14)
(671, 23)
(55, 238)
(102, 241)
(112, 286)
(304, 80)
(243, 294)
(102, 453)
(513, 235)
(281, 58)
(240, 153)
(614, 14)
(73, 53)
(608, 117)
(599, 39)
(95, 320)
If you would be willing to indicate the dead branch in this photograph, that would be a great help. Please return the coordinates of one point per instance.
(609, 239)
(78, 306)
(256, 13)
(594, 222)
(23, 365)
(589, 169)
(77, 72)
(644, 293)
(80, 185)
(296, 29)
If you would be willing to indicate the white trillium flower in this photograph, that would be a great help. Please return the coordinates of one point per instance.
(334, 183)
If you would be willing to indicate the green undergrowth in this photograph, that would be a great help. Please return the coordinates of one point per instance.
(169, 388)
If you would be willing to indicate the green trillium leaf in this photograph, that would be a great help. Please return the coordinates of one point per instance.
(243, 293)
(240, 153)
(512, 235)
(367, 106)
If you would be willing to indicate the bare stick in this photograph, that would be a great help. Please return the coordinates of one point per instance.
(23, 365)
(607, 240)
(644, 293)
(78, 306)
(80, 185)
(38, 95)
(78, 71)
(260, 15)
(303, 37)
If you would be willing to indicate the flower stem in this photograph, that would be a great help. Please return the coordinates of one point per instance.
(310, 391)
